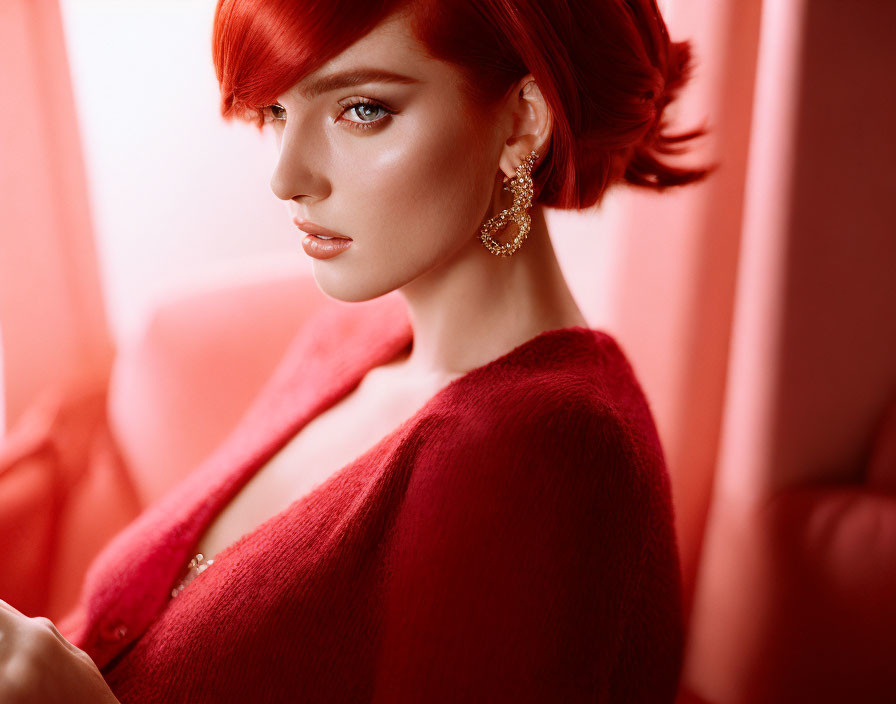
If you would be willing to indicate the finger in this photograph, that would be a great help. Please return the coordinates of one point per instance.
(8, 614)
(10, 617)
(49, 625)
(10, 607)
(11, 621)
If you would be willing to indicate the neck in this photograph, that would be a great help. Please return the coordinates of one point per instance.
(477, 306)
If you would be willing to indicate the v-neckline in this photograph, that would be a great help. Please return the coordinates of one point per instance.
(398, 342)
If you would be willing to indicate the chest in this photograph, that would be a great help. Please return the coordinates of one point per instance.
(321, 448)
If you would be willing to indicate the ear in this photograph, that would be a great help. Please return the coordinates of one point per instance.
(531, 125)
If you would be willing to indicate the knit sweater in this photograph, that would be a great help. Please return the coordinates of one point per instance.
(512, 541)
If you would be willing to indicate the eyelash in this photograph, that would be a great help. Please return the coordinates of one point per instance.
(268, 110)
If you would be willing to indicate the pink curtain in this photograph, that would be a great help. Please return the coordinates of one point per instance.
(54, 514)
(794, 594)
(51, 303)
(759, 310)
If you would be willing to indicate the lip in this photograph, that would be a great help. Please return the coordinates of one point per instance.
(319, 248)
(314, 229)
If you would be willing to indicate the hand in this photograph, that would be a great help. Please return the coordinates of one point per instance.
(38, 665)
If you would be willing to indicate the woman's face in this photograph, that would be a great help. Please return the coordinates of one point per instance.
(408, 177)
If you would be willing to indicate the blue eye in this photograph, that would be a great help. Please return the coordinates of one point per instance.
(365, 109)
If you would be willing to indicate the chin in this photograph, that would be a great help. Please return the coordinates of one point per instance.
(348, 287)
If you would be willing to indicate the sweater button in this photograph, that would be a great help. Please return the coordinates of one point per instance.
(113, 631)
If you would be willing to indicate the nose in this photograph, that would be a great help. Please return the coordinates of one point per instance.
(299, 170)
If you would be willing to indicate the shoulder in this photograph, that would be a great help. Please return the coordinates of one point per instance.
(560, 437)
(569, 398)
(543, 452)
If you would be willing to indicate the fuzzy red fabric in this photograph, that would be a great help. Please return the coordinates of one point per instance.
(513, 541)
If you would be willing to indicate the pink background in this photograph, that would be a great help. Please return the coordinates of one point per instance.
(140, 245)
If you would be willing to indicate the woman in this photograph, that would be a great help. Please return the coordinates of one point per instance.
(451, 489)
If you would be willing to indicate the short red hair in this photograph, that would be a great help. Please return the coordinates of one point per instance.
(606, 68)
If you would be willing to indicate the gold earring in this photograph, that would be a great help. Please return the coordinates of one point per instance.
(521, 187)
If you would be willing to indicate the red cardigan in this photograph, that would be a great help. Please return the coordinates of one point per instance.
(513, 541)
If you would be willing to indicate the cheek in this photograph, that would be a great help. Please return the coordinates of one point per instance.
(425, 184)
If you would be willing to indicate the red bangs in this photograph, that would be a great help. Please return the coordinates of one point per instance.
(262, 48)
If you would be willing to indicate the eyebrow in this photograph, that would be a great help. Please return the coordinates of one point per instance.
(353, 77)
